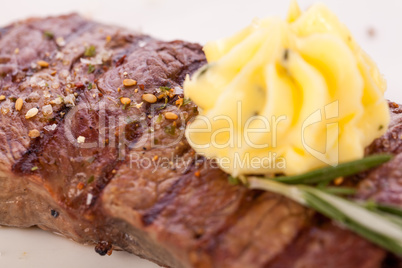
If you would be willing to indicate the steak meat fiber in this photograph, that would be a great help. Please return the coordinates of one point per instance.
(122, 176)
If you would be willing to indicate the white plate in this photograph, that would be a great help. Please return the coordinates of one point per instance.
(32, 247)
(197, 21)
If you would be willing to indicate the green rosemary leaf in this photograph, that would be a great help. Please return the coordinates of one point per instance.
(380, 228)
(164, 88)
(186, 101)
(290, 191)
(339, 190)
(329, 173)
(390, 209)
(91, 68)
(393, 210)
(91, 179)
(391, 217)
(322, 206)
(233, 180)
(381, 240)
(171, 130)
(369, 224)
(90, 51)
(48, 34)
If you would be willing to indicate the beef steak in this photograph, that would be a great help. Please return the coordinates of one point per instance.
(134, 183)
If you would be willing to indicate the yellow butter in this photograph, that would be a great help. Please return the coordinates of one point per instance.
(287, 96)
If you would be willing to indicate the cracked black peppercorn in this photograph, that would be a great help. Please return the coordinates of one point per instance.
(54, 213)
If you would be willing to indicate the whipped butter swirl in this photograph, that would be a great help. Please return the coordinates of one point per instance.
(287, 96)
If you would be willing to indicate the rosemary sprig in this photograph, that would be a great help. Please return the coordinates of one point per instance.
(378, 223)
(339, 190)
(384, 208)
(327, 174)
(371, 225)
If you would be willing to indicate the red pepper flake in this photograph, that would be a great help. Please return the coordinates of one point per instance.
(100, 95)
(142, 87)
(121, 60)
(79, 85)
(394, 105)
(197, 173)
(80, 186)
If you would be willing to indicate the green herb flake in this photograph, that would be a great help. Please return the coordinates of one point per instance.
(164, 88)
(339, 190)
(48, 34)
(186, 101)
(34, 168)
(90, 86)
(91, 68)
(233, 180)
(159, 119)
(171, 130)
(91, 159)
(91, 179)
(90, 51)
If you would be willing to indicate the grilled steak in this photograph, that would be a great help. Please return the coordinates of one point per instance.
(121, 175)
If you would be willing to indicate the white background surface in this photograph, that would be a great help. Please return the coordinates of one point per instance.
(197, 21)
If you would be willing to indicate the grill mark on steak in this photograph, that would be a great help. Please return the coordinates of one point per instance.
(169, 215)
(260, 223)
(100, 181)
(10, 148)
(179, 76)
(149, 217)
(34, 27)
(304, 251)
(79, 30)
(23, 165)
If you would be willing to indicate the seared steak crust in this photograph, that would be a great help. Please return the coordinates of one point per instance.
(135, 183)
